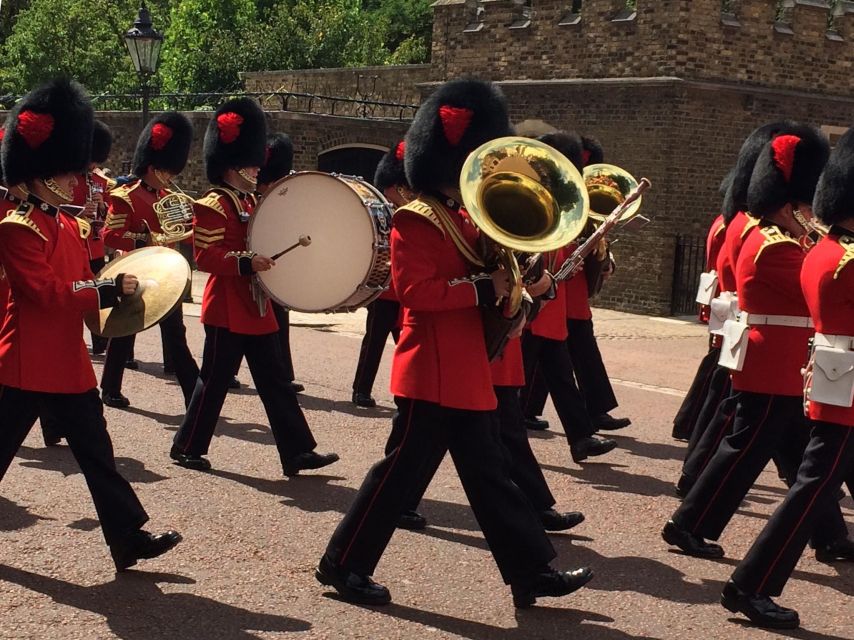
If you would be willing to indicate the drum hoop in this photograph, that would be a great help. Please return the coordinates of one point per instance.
(349, 305)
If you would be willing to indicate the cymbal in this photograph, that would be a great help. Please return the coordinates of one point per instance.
(164, 278)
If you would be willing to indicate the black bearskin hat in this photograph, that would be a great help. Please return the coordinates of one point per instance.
(236, 138)
(48, 133)
(164, 144)
(279, 158)
(455, 120)
(569, 144)
(834, 197)
(390, 170)
(102, 142)
(735, 199)
(787, 170)
(592, 152)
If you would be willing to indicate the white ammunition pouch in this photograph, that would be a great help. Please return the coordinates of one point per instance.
(829, 377)
(723, 308)
(708, 287)
(735, 334)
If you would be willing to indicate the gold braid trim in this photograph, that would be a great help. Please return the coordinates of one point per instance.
(751, 222)
(211, 201)
(773, 236)
(84, 227)
(438, 215)
(847, 243)
(123, 193)
(21, 216)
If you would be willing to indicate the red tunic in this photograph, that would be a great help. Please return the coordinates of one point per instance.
(95, 245)
(441, 354)
(219, 237)
(8, 204)
(735, 235)
(131, 214)
(827, 280)
(769, 282)
(714, 244)
(508, 370)
(551, 321)
(577, 294)
(41, 341)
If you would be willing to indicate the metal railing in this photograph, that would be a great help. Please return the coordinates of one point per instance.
(690, 262)
(273, 100)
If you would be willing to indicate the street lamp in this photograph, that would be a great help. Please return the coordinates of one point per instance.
(143, 43)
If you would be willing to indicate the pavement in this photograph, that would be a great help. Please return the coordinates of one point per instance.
(252, 537)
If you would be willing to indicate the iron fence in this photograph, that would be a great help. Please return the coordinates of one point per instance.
(690, 262)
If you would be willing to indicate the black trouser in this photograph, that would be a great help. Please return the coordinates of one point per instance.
(99, 343)
(552, 358)
(706, 445)
(698, 393)
(223, 352)
(174, 335)
(382, 320)
(828, 460)
(763, 425)
(283, 317)
(84, 428)
(720, 388)
(535, 394)
(511, 528)
(590, 370)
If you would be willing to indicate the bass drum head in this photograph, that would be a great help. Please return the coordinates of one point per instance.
(325, 274)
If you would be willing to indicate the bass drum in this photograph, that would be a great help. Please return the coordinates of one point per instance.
(347, 263)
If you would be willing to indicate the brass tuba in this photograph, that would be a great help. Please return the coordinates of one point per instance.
(525, 196)
(608, 185)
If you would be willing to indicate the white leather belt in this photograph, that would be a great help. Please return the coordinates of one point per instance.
(835, 342)
(755, 319)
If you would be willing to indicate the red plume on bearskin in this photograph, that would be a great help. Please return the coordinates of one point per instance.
(2, 133)
(399, 152)
(34, 127)
(229, 126)
(161, 134)
(390, 171)
(455, 122)
(279, 158)
(784, 154)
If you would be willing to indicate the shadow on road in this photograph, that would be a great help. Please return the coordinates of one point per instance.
(60, 459)
(800, 634)
(652, 450)
(316, 403)
(610, 477)
(14, 517)
(135, 608)
(160, 418)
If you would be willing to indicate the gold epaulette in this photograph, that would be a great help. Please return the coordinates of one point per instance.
(721, 228)
(847, 243)
(84, 227)
(110, 183)
(21, 216)
(425, 209)
(773, 235)
(211, 201)
(751, 222)
(123, 193)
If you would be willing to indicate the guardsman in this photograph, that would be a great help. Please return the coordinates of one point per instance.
(278, 162)
(771, 340)
(384, 312)
(545, 348)
(827, 280)
(132, 222)
(43, 359)
(235, 326)
(441, 378)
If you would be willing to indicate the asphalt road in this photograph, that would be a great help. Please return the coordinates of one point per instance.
(253, 538)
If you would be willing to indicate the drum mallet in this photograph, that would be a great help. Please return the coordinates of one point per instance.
(304, 241)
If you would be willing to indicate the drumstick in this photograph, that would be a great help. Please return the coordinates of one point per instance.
(304, 241)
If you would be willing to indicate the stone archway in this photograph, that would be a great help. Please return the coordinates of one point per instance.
(352, 159)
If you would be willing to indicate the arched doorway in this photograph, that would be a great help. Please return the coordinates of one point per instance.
(354, 160)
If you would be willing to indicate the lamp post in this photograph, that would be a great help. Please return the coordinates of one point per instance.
(143, 43)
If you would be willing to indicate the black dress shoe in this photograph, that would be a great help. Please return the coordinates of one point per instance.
(51, 440)
(689, 543)
(591, 446)
(556, 521)
(536, 424)
(115, 400)
(352, 587)
(411, 520)
(606, 422)
(133, 365)
(141, 545)
(549, 583)
(761, 610)
(98, 350)
(308, 460)
(839, 551)
(296, 387)
(234, 383)
(363, 400)
(189, 461)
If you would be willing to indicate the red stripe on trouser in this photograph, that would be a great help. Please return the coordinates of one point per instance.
(204, 392)
(806, 511)
(379, 487)
(530, 385)
(733, 467)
